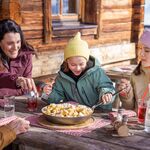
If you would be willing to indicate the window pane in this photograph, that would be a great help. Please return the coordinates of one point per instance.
(147, 13)
(55, 7)
(69, 6)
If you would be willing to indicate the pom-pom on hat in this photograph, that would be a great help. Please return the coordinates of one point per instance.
(145, 38)
(77, 47)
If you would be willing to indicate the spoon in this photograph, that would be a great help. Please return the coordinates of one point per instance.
(101, 103)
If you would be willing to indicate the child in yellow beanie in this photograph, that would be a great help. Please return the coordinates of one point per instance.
(80, 78)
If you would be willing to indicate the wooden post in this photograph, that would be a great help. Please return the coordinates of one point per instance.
(47, 21)
(98, 19)
(82, 10)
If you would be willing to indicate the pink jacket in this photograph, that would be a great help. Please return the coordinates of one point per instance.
(21, 66)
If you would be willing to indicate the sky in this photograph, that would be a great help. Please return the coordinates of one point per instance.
(147, 13)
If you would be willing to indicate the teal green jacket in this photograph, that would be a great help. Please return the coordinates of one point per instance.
(87, 90)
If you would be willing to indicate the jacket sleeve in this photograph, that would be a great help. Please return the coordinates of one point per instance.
(8, 80)
(105, 85)
(6, 136)
(8, 85)
(57, 93)
(28, 70)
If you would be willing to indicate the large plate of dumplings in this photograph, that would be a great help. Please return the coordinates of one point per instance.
(66, 113)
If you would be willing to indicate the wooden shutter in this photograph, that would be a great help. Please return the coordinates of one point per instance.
(90, 11)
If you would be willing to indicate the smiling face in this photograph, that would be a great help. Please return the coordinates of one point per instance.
(145, 56)
(10, 44)
(77, 64)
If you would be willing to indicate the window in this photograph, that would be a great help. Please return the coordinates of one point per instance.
(147, 14)
(64, 18)
(63, 9)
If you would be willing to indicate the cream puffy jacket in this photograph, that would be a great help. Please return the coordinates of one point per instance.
(7, 135)
(139, 85)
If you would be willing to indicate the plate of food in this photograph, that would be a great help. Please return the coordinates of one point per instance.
(66, 113)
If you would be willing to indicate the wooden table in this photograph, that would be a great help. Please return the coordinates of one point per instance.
(99, 139)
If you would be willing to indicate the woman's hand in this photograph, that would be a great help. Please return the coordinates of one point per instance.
(26, 84)
(19, 125)
(106, 98)
(124, 83)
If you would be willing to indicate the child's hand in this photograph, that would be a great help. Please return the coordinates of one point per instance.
(106, 98)
(124, 83)
(47, 89)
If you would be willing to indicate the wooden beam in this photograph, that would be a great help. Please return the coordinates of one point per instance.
(11, 9)
(47, 21)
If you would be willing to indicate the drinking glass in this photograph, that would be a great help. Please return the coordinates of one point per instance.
(9, 106)
(141, 110)
(147, 117)
(32, 103)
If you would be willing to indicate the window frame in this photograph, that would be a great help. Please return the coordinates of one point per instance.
(48, 26)
(67, 16)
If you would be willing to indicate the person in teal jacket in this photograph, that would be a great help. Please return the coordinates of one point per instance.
(80, 78)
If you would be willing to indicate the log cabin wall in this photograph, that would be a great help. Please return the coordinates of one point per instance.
(111, 28)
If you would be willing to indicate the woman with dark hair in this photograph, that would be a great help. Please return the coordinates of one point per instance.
(137, 87)
(15, 60)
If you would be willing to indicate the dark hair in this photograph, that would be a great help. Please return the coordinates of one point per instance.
(8, 26)
(138, 70)
(65, 66)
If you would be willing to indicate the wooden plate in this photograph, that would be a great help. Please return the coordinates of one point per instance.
(42, 120)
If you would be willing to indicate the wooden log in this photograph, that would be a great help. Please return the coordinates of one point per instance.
(121, 4)
(33, 34)
(11, 9)
(112, 37)
(116, 13)
(133, 14)
(32, 5)
(123, 131)
(116, 27)
(71, 32)
(47, 21)
(116, 4)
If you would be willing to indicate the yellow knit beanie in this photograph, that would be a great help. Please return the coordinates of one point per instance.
(77, 47)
